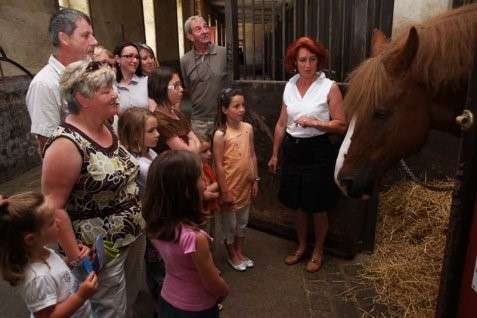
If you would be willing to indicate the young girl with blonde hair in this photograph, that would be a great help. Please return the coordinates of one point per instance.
(138, 132)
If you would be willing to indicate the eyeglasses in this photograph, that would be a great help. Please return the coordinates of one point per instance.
(131, 56)
(175, 86)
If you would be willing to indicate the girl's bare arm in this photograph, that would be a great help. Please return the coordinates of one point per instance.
(207, 270)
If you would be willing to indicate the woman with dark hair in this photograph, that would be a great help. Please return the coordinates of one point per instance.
(165, 91)
(131, 84)
(148, 59)
(311, 109)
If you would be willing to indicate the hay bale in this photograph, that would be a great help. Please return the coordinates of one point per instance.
(410, 240)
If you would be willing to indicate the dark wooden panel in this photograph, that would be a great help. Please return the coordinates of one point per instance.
(458, 3)
(336, 37)
(386, 17)
(359, 32)
(232, 39)
(324, 7)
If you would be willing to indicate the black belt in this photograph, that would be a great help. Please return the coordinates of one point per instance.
(298, 140)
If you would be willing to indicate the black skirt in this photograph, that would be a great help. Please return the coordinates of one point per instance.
(306, 174)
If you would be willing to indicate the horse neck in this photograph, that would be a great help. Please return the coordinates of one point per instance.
(444, 108)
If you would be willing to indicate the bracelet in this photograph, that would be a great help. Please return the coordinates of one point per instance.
(257, 179)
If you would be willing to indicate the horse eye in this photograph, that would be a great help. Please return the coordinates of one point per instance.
(381, 114)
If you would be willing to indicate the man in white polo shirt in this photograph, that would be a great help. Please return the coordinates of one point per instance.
(72, 36)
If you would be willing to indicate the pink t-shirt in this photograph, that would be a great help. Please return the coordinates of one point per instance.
(182, 286)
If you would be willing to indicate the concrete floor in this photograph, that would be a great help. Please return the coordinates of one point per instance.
(271, 289)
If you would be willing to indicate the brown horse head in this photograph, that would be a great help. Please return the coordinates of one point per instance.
(395, 122)
(412, 84)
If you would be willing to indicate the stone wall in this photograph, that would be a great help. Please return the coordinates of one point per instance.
(18, 152)
(24, 33)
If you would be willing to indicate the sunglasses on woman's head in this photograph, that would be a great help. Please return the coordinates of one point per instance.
(94, 66)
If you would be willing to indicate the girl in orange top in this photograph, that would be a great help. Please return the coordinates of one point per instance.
(236, 168)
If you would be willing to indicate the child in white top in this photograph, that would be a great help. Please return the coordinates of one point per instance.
(236, 168)
(27, 225)
(137, 130)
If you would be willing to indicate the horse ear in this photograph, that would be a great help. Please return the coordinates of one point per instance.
(400, 61)
(379, 42)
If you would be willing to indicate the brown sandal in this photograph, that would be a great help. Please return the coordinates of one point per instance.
(314, 264)
(294, 258)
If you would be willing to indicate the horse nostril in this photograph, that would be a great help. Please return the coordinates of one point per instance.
(346, 181)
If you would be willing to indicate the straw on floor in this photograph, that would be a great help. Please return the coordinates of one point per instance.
(405, 267)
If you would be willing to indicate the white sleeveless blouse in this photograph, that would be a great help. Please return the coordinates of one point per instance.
(314, 105)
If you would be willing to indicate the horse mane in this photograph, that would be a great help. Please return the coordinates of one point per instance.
(447, 43)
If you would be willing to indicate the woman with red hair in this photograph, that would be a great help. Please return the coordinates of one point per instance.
(311, 110)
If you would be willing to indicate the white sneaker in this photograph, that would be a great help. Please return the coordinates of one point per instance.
(239, 267)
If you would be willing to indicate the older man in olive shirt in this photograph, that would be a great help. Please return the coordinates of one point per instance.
(204, 74)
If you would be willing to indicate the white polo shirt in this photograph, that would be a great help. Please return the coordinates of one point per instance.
(43, 99)
(133, 94)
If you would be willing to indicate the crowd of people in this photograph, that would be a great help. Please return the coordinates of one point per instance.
(122, 165)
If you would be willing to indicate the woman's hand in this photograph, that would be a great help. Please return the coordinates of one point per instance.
(273, 164)
(304, 122)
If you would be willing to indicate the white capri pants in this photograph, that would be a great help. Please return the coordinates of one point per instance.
(234, 223)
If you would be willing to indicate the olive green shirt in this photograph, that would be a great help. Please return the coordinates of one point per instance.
(204, 77)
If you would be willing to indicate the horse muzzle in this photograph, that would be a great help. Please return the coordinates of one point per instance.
(358, 184)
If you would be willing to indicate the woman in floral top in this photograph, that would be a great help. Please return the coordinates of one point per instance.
(92, 181)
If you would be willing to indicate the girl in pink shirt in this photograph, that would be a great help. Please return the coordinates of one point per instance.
(172, 209)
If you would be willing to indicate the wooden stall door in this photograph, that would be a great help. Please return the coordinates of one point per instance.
(467, 303)
(457, 295)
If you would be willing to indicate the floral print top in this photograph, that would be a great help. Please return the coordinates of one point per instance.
(105, 198)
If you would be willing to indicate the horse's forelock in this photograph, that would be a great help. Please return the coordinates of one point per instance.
(369, 86)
